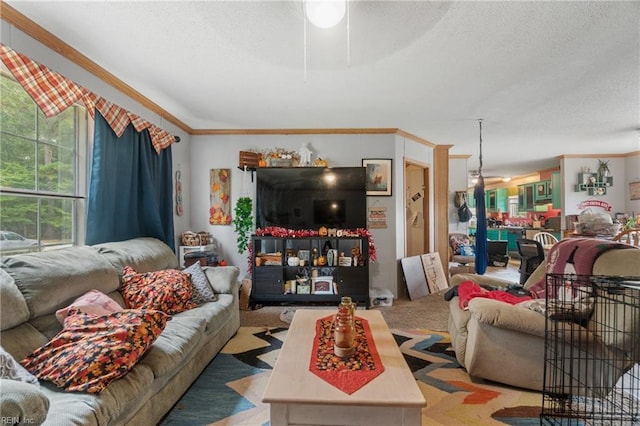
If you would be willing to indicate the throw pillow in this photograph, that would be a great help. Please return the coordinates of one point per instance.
(92, 302)
(457, 241)
(91, 351)
(467, 250)
(11, 369)
(169, 290)
(202, 291)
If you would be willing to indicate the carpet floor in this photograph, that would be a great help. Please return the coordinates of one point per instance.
(229, 391)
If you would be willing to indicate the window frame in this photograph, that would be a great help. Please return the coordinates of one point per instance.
(80, 167)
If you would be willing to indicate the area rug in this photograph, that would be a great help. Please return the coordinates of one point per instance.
(229, 391)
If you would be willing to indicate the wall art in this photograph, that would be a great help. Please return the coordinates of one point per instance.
(220, 196)
(634, 190)
(378, 176)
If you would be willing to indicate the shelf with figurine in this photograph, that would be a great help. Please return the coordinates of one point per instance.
(593, 183)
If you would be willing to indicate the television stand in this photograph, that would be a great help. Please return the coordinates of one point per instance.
(301, 270)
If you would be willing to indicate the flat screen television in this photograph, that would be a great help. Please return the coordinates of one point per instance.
(311, 197)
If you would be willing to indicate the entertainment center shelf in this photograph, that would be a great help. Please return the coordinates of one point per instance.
(318, 269)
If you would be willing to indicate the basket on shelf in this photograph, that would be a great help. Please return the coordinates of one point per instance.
(190, 238)
(204, 238)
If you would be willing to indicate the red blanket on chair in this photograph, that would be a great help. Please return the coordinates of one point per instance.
(468, 290)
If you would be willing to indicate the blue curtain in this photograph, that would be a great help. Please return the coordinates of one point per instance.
(130, 191)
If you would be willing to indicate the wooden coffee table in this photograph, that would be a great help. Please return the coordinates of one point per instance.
(299, 397)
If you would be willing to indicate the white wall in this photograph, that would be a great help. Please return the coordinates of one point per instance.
(458, 181)
(339, 150)
(632, 165)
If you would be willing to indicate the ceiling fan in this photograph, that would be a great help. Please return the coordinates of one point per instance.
(473, 174)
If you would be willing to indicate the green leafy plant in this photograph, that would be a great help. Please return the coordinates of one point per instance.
(243, 222)
(603, 167)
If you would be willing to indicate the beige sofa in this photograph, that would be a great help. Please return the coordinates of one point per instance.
(506, 343)
(34, 286)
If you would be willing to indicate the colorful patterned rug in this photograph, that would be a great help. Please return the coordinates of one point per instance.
(230, 389)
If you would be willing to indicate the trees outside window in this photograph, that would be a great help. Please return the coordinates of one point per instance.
(42, 181)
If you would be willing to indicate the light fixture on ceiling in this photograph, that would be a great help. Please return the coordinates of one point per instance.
(506, 179)
(325, 13)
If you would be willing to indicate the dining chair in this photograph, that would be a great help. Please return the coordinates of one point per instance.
(629, 236)
(531, 256)
(547, 239)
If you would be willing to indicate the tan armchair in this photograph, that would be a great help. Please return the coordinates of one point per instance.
(459, 243)
(505, 343)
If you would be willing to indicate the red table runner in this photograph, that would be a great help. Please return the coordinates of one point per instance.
(346, 374)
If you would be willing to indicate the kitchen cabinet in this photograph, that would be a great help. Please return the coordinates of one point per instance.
(496, 199)
(538, 193)
(490, 200)
(493, 234)
(542, 191)
(513, 235)
(526, 197)
(278, 276)
(510, 235)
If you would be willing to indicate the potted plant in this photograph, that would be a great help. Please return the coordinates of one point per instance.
(603, 168)
(243, 222)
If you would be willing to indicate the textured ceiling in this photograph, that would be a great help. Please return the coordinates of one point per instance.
(548, 78)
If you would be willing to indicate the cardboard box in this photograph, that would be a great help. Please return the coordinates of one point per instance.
(380, 297)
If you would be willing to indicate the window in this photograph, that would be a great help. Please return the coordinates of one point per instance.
(513, 206)
(42, 177)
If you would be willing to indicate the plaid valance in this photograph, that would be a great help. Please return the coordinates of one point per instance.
(54, 93)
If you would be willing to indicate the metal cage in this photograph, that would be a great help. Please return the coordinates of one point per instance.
(592, 351)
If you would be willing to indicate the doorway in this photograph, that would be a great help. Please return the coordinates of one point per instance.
(416, 199)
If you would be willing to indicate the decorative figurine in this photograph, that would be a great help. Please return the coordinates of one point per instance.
(305, 155)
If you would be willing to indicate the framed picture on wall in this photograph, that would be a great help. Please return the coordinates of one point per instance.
(634, 189)
(378, 176)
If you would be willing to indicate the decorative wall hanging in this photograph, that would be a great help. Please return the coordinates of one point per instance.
(596, 203)
(220, 207)
(634, 190)
(378, 176)
(377, 217)
(179, 207)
